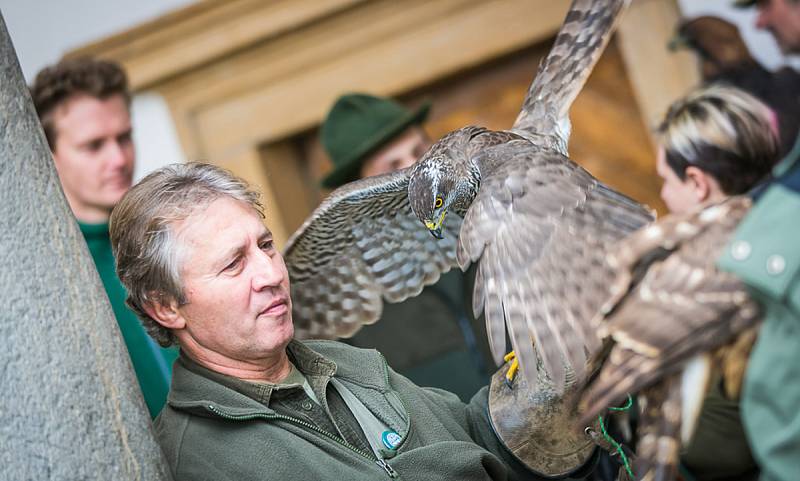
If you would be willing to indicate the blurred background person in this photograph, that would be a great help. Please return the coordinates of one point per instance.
(781, 18)
(716, 142)
(725, 58)
(433, 338)
(83, 105)
(764, 253)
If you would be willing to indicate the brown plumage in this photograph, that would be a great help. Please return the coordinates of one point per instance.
(535, 222)
(673, 318)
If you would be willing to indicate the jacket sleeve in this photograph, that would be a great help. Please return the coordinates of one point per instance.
(764, 254)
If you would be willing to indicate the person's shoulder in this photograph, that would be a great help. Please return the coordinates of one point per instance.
(763, 251)
(170, 428)
(198, 448)
(788, 76)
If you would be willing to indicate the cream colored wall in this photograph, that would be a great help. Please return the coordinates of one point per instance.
(43, 30)
(243, 78)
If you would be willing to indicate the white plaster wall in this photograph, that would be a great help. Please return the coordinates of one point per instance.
(43, 30)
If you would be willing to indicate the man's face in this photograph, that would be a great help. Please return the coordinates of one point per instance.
(782, 19)
(398, 154)
(236, 285)
(93, 154)
(679, 195)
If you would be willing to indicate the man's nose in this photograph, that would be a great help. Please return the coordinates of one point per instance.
(268, 271)
(117, 154)
(762, 20)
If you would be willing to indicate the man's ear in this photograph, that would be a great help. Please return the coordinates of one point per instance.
(165, 312)
(700, 182)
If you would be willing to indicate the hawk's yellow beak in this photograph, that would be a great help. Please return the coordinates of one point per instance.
(436, 227)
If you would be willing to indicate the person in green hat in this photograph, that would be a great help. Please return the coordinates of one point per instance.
(764, 252)
(84, 107)
(366, 135)
(434, 336)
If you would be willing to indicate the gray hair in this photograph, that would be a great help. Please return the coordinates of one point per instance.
(725, 132)
(144, 244)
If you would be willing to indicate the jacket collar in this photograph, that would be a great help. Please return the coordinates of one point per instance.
(204, 392)
(364, 367)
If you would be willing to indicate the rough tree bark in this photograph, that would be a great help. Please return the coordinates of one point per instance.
(70, 406)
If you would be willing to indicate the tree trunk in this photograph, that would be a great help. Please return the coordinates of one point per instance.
(70, 406)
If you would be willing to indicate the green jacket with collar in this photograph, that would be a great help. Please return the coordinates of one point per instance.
(211, 432)
(765, 254)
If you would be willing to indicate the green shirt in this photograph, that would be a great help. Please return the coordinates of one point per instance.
(152, 363)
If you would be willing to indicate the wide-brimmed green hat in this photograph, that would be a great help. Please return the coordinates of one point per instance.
(358, 125)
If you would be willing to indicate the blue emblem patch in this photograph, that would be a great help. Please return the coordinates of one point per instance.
(391, 439)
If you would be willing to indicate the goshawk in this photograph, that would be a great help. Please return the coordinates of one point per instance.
(535, 222)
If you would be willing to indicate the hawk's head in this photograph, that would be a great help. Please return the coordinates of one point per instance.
(444, 179)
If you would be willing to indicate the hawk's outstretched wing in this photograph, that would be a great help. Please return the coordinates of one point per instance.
(540, 226)
(561, 76)
(361, 246)
(670, 304)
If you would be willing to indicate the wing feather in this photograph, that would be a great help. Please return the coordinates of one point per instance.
(673, 302)
(541, 259)
(581, 40)
(362, 246)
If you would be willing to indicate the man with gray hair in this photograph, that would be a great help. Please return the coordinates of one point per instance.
(249, 402)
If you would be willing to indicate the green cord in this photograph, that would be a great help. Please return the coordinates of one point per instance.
(615, 443)
(626, 407)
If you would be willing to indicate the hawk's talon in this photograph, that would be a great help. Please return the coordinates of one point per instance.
(512, 369)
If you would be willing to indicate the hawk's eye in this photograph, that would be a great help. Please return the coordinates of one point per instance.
(438, 202)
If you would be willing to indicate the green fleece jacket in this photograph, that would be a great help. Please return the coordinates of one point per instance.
(211, 432)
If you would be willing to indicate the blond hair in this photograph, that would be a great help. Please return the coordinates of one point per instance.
(723, 131)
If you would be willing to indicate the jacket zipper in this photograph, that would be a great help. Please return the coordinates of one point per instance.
(380, 462)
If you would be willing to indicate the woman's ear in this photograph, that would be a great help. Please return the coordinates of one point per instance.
(165, 312)
(699, 182)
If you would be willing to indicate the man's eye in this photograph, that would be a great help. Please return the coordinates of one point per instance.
(125, 138)
(267, 245)
(234, 264)
(94, 145)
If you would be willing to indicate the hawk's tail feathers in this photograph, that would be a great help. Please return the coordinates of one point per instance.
(659, 431)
